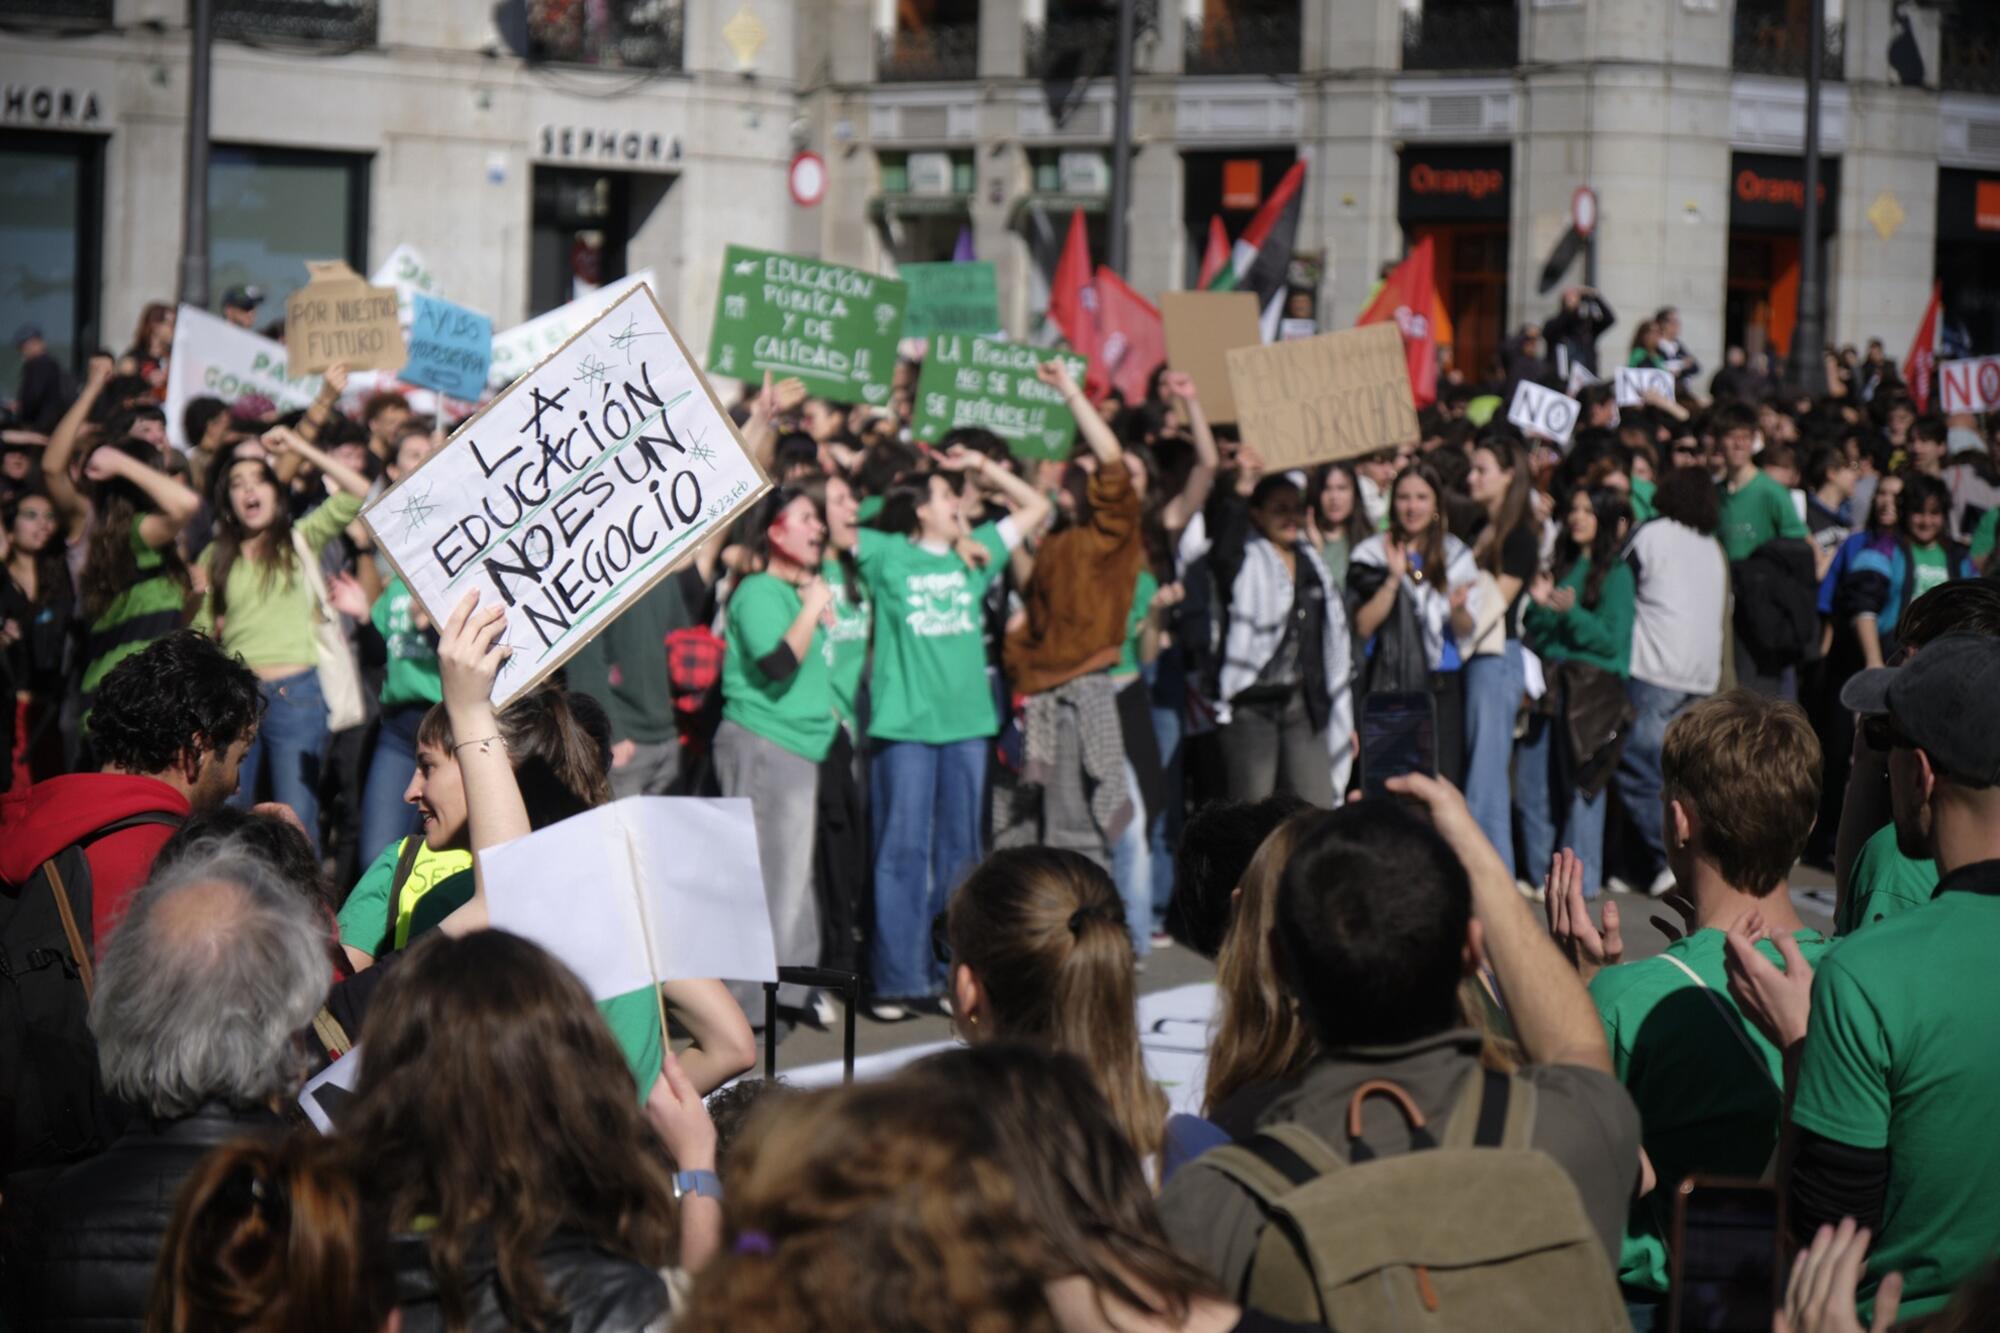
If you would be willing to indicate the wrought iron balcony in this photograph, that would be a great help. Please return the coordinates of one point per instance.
(1253, 42)
(625, 34)
(939, 53)
(62, 16)
(335, 23)
(1768, 39)
(1462, 36)
(1969, 52)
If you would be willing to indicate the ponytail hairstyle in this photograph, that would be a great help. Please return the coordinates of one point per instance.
(1044, 932)
(110, 567)
(559, 745)
(230, 534)
(1260, 1035)
(272, 1236)
(1515, 509)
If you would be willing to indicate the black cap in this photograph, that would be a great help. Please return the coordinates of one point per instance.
(1945, 701)
(27, 331)
(246, 297)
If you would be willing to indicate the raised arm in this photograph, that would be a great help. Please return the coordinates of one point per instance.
(1089, 424)
(62, 445)
(174, 501)
(332, 385)
(1180, 510)
(1031, 507)
(282, 440)
(469, 656)
(1552, 1011)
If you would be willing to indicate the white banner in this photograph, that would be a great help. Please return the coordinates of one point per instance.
(212, 358)
(1543, 412)
(1970, 386)
(406, 271)
(521, 346)
(1635, 382)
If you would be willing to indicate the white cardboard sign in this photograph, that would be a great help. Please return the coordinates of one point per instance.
(515, 349)
(1970, 386)
(1634, 382)
(1543, 412)
(590, 479)
(212, 358)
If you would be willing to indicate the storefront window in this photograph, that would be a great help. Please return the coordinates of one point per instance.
(1968, 258)
(272, 209)
(1766, 214)
(1459, 198)
(48, 245)
(584, 223)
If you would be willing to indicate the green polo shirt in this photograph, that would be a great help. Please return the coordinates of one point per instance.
(1900, 1057)
(1883, 883)
(1705, 1081)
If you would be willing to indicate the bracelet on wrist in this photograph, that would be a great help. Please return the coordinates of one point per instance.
(483, 740)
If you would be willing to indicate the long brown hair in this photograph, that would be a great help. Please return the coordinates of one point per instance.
(560, 765)
(227, 545)
(110, 567)
(271, 1237)
(1044, 931)
(1515, 508)
(494, 1105)
(142, 335)
(1432, 549)
(1260, 1035)
(879, 1205)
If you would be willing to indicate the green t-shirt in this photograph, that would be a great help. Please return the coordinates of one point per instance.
(847, 640)
(1984, 536)
(794, 711)
(411, 676)
(1642, 500)
(1142, 605)
(1883, 883)
(1899, 1056)
(929, 682)
(364, 917)
(1761, 510)
(1932, 568)
(145, 611)
(634, 1017)
(1703, 1105)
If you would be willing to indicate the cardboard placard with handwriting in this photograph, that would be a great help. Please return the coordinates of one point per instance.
(1202, 329)
(590, 479)
(338, 317)
(1317, 400)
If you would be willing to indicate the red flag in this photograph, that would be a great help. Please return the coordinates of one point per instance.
(1408, 296)
(1073, 300)
(1216, 257)
(1133, 340)
(1921, 364)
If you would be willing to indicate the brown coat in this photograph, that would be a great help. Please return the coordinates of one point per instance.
(1081, 593)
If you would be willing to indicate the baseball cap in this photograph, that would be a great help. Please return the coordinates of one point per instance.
(247, 297)
(27, 331)
(1944, 701)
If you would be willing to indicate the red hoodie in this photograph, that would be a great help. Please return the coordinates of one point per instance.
(37, 823)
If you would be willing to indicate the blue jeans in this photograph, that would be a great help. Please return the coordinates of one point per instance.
(1638, 775)
(1543, 784)
(1132, 868)
(1165, 830)
(926, 802)
(1493, 687)
(292, 741)
(385, 816)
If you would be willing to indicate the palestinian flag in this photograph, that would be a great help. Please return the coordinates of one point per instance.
(1263, 253)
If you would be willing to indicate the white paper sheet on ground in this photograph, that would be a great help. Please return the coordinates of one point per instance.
(650, 888)
(325, 1096)
(1173, 1036)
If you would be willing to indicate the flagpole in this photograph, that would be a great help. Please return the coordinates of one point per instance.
(1121, 140)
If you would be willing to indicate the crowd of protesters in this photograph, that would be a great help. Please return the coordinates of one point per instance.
(1005, 728)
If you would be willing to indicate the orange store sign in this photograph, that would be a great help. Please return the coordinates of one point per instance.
(1472, 183)
(1753, 188)
(1986, 206)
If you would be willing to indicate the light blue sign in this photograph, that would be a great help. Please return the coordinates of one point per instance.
(450, 348)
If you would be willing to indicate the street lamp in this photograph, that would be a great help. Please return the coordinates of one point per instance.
(194, 202)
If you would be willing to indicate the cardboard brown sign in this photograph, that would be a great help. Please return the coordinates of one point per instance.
(1315, 400)
(338, 317)
(1202, 329)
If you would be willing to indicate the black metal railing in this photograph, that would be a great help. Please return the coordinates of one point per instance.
(941, 52)
(1071, 47)
(1267, 42)
(1462, 36)
(55, 15)
(1768, 39)
(338, 23)
(626, 34)
(1969, 52)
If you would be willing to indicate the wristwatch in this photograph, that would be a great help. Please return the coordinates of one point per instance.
(705, 1183)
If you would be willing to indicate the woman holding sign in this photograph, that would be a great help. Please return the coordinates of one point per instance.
(258, 602)
(778, 720)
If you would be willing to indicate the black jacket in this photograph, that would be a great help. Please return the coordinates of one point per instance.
(1777, 604)
(1572, 334)
(597, 1291)
(82, 1247)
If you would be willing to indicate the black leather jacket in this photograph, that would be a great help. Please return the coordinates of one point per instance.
(82, 1244)
(597, 1291)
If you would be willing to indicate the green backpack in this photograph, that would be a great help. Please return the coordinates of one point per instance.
(1474, 1230)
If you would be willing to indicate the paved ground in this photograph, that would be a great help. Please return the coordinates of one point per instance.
(1812, 891)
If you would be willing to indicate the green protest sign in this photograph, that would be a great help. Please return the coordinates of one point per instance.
(991, 384)
(951, 298)
(832, 326)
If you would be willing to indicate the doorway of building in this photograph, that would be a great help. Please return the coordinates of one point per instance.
(584, 222)
(1470, 261)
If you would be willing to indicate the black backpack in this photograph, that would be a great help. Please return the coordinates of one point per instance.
(53, 1108)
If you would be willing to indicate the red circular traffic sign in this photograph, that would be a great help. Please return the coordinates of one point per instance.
(1583, 210)
(808, 179)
